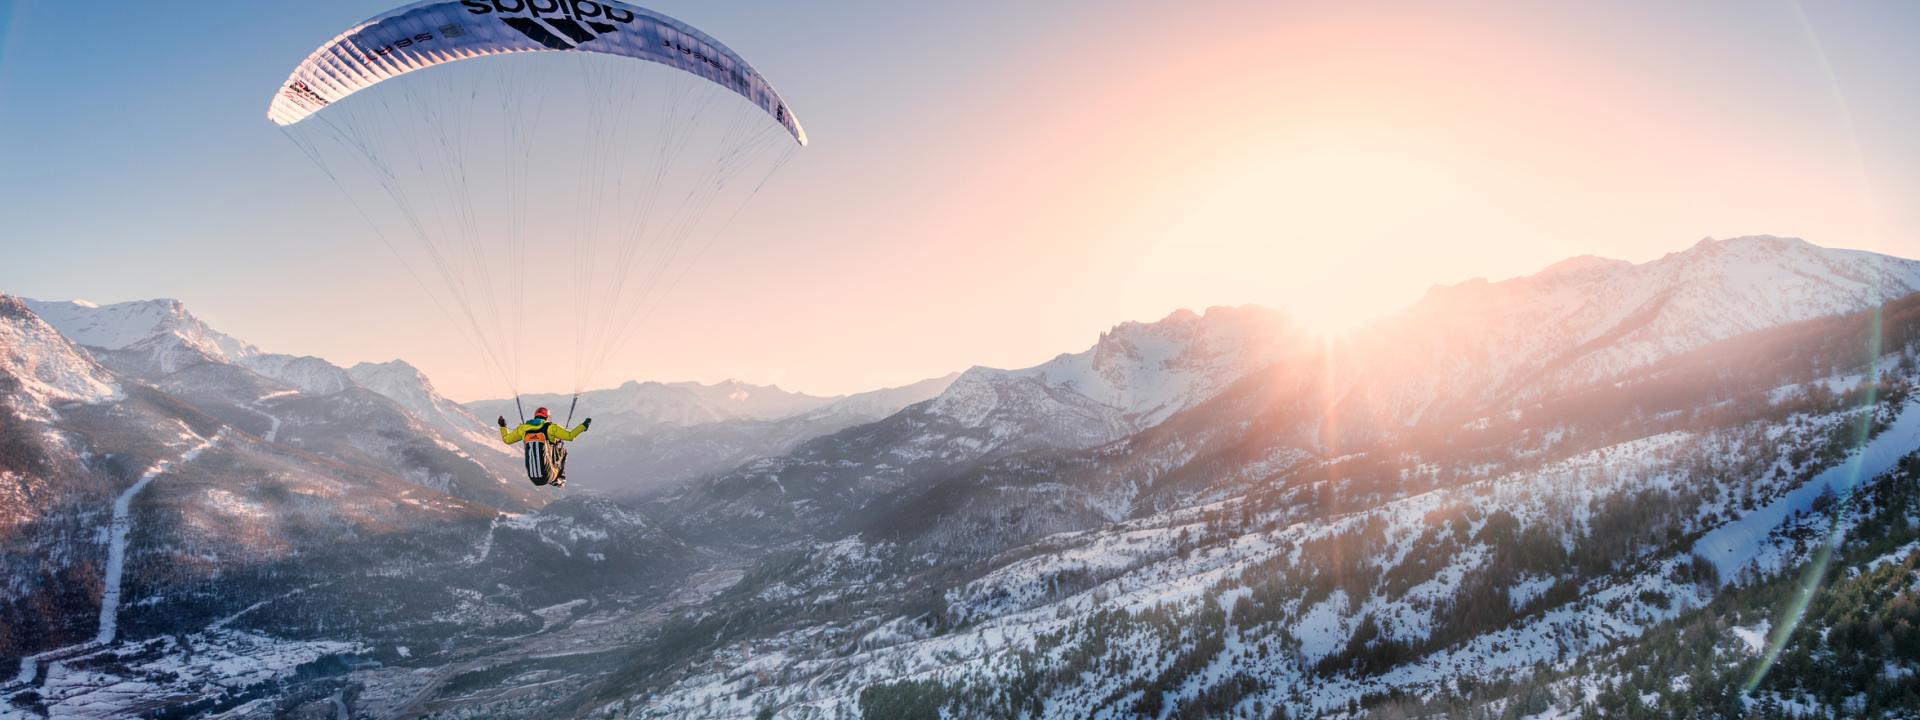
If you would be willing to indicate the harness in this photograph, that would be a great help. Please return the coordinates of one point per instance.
(540, 454)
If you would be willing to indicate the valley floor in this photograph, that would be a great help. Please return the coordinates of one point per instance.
(179, 674)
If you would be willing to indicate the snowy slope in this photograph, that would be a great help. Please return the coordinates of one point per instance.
(627, 460)
(1587, 319)
(1136, 376)
(648, 436)
(1397, 563)
(876, 404)
(394, 420)
(1137, 530)
(641, 405)
(311, 375)
(1150, 371)
(406, 385)
(1256, 592)
(1458, 355)
(1743, 546)
(157, 338)
(47, 367)
(161, 332)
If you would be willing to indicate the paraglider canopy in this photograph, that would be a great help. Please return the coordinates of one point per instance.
(543, 186)
(434, 32)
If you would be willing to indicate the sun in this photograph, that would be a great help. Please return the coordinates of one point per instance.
(1337, 225)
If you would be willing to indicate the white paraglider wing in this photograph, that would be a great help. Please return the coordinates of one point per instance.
(549, 198)
(436, 32)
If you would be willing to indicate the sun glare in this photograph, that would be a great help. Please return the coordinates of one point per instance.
(1322, 224)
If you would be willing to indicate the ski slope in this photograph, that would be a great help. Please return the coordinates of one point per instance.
(122, 525)
(1741, 544)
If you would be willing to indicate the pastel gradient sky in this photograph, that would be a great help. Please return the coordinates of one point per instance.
(996, 182)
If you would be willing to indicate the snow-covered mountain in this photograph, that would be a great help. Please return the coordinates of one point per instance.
(1466, 354)
(151, 336)
(1149, 371)
(626, 460)
(394, 419)
(40, 372)
(156, 338)
(1590, 491)
(1467, 345)
(1598, 500)
(652, 405)
(45, 367)
(142, 502)
(120, 325)
(306, 373)
(406, 385)
(1136, 376)
(875, 404)
(648, 434)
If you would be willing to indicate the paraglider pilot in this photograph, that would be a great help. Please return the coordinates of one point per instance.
(545, 446)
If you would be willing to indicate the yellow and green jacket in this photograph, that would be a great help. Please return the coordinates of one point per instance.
(539, 430)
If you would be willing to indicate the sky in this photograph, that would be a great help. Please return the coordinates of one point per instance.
(993, 183)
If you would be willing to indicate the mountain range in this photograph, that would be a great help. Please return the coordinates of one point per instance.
(650, 436)
(1587, 491)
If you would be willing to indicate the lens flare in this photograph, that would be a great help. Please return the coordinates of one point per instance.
(1837, 524)
(1840, 521)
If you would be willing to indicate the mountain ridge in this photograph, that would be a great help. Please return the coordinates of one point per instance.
(1191, 517)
